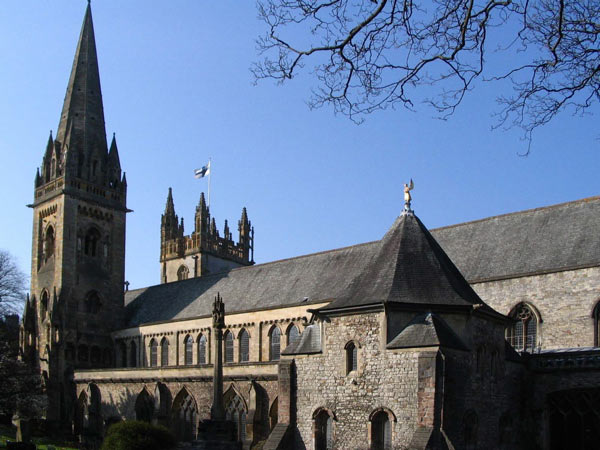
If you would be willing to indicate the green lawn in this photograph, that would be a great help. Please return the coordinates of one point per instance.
(8, 433)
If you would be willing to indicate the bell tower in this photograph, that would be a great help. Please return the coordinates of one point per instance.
(78, 245)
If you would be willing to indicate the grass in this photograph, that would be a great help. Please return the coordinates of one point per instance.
(8, 434)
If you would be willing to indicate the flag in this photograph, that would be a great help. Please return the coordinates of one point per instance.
(202, 172)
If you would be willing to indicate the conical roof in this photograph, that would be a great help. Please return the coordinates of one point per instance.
(411, 268)
(82, 109)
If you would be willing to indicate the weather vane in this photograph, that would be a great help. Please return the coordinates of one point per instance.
(407, 197)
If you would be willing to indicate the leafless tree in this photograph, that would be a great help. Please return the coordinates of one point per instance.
(12, 285)
(375, 54)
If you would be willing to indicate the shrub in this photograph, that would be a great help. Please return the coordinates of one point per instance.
(135, 435)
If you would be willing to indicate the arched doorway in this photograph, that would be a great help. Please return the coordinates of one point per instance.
(184, 416)
(144, 406)
(323, 429)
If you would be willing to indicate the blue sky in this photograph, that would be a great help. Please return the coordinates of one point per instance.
(177, 90)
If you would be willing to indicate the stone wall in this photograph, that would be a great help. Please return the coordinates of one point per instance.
(383, 379)
(119, 392)
(565, 301)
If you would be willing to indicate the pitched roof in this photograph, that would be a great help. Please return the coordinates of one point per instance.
(541, 240)
(308, 342)
(427, 330)
(409, 267)
(545, 239)
(317, 277)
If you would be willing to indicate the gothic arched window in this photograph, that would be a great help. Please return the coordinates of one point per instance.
(92, 238)
(189, 350)
(275, 344)
(228, 347)
(122, 354)
(183, 273)
(202, 349)
(164, 352)
(92, 303)
(49, 242)
(292, 334)
(244, 339)
(44, 305)
(351, 357)
(153, 353)
(133, 355)
(236, 412)
(523, 334)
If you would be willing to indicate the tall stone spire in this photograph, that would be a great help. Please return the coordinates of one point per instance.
(81, 128)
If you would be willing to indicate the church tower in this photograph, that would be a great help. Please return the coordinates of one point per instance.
(204, 251)
(78, 251)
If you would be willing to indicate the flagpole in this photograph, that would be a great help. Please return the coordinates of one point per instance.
(209, 173)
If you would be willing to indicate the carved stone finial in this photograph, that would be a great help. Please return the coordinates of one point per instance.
(407, 197)
(218, 312)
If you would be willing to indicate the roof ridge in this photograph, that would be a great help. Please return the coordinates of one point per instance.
(524, 211)
(310, 254)
(235, 269)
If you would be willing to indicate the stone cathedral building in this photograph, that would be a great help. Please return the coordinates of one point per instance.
(477, 335)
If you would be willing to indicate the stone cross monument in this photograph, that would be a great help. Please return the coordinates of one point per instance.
(217, 411)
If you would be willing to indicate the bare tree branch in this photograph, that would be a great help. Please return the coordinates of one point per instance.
(369, 55)
(12, 285)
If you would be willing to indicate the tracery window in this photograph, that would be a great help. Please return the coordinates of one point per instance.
(523, 334)
(202, 350)
(183, 273)
(189, 350)
(275, 344)
(236, 412)
(164, 352)
(351, 357)
(228, 347)
(153, 353)
(244, 339)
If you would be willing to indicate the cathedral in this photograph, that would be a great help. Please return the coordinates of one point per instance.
(479, 335)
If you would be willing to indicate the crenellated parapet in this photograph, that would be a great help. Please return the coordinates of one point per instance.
(205, 250)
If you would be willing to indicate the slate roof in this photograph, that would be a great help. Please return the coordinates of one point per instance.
(427, 330)
(535, 241)
(318, 277)
(308, 343)
(542, 240)
(409, 267)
